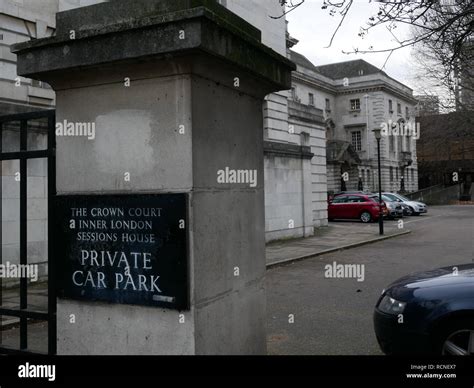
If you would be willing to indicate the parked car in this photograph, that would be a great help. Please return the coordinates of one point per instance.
(428, 313)
(416, 208)
(406, 209)
(356, 206)
(395, 209)
(331, 196)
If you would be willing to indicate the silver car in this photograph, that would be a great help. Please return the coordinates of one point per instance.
(416, 208)
(395, 208)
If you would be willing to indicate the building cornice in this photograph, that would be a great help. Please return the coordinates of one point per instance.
(378, 87)
(314, 82)
(287, 150)
(343, 90)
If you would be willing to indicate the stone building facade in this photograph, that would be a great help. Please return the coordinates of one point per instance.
(295, 145)
(355, 98)
(313, 135)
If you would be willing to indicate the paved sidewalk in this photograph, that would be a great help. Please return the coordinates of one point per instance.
(337, 236)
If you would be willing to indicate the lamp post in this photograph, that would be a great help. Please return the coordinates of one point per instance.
(378, 135)
(367, 128)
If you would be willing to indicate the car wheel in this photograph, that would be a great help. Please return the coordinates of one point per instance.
(366, 217)
(409, 211)
(413, 212)
(457, 338)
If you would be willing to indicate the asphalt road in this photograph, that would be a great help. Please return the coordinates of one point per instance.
(310, 314)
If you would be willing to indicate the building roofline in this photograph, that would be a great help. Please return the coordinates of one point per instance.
(335, 88)
(379, 71)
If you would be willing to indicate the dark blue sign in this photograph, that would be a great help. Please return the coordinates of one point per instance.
(129, 249)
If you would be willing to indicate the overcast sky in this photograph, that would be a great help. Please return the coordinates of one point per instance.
(313, 27)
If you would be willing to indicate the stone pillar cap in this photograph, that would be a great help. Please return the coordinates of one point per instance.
(125, 30)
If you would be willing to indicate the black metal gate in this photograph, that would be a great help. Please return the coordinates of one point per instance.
(23, 123)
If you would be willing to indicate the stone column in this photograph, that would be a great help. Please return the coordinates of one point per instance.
(175, 89)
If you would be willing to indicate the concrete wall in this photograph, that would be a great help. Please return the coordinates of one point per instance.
(136, 134)
(284, 196)
(442, 196)
(229, 222)
(295, 195)
(319, 176)
(283, 175)
(295, 188)
(132, 135)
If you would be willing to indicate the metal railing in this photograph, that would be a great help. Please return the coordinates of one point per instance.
(23, 155)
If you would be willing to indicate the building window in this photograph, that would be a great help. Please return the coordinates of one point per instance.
(391, 174)
(407, 148)
(391, 143)
(396, 172)
(407, 113)
(355, 104)
(311, 99)
(390, 106)
(413, 175)
(399, 109)
(357, 140)
(328, 105)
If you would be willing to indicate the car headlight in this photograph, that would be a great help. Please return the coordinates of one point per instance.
(389, 305)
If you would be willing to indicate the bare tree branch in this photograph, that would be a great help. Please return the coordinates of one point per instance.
(442, 31)
(290, 7)
(344, 13)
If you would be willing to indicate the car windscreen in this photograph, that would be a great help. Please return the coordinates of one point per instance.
(392, 197)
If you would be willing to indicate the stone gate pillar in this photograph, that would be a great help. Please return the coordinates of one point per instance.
(159, 106)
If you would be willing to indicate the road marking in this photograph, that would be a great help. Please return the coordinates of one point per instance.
(424, 219)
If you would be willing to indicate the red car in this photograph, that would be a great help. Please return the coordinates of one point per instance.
(356, 206)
